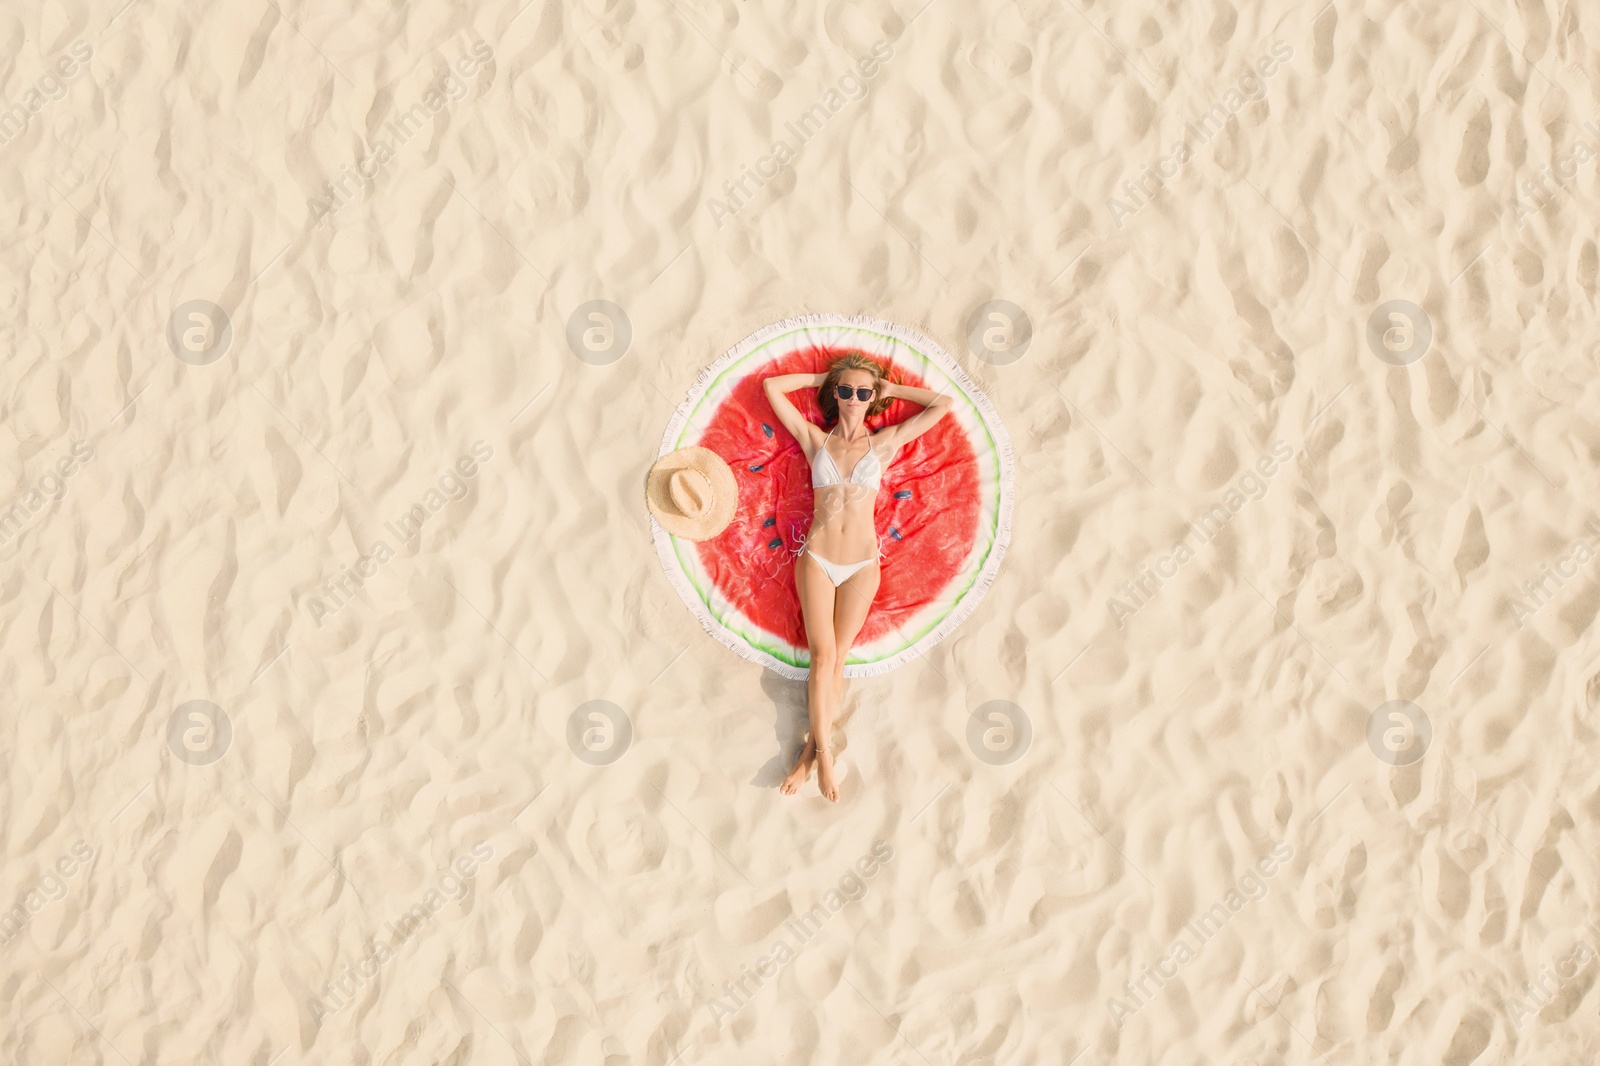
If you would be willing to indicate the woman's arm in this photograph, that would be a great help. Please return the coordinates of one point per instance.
(796, 423)
(935, 406)
(925, 397)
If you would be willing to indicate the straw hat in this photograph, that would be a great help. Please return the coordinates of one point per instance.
(692, 493)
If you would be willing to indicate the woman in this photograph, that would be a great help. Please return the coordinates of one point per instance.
(837, 574)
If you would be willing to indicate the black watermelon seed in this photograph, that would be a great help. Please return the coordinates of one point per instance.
(775, 543)
(895, 533)
(903, 494)
(769, 522)
(766, 429)
(757, 467)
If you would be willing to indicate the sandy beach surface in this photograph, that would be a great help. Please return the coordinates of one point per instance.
(350, 717)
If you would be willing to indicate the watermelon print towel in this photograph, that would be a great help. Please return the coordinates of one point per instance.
(943, 512)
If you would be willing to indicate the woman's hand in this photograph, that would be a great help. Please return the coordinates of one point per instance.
(889, 391)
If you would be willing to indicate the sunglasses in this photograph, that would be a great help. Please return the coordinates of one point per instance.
(861, 394)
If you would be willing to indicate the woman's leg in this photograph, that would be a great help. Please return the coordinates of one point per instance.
(816, 610)
(850, 605)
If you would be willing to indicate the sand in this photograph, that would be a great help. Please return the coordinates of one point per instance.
(323, 535)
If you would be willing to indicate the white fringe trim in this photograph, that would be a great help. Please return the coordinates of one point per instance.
(991, 419)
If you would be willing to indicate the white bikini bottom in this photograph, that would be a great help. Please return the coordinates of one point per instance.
(839, 573)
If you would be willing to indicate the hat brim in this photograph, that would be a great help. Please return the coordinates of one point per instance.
(724, 493)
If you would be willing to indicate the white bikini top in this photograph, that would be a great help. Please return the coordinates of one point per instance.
(824, 471)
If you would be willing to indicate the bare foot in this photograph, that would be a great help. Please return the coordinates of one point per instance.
(825, 782)
(801, 771)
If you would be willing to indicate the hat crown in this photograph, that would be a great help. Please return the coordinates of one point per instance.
(691, 492)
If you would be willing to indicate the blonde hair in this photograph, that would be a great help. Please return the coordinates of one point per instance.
(828, 398)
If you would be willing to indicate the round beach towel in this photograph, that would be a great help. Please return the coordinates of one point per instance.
(943, 512)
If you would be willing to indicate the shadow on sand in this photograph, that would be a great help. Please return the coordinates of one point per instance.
(790, 725)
